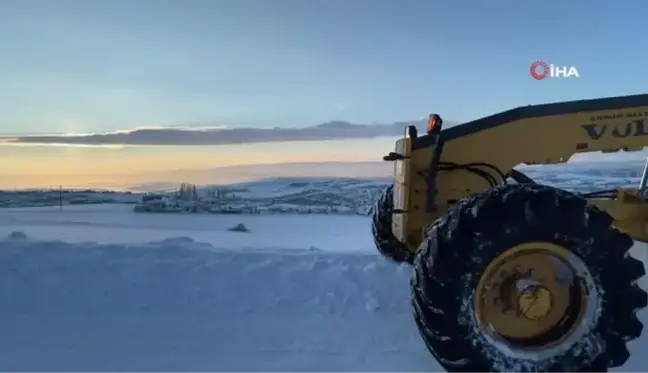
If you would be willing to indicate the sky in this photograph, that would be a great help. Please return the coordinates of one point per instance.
(87, 67)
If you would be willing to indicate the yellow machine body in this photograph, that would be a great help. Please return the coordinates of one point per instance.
(541, 134)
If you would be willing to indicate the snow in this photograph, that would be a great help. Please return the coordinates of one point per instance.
(118, 224)
(177, 304)
(100, 288)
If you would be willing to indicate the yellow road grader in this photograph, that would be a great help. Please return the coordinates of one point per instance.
(510, 274)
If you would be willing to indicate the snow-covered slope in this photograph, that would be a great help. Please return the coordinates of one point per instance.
(301, 195)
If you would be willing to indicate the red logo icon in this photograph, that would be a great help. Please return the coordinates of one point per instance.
(539, 70)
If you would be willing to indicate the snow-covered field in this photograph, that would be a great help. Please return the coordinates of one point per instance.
(118, 224)
(146, 296)
(99, 288)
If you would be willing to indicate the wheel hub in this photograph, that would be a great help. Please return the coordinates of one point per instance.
(535, 302)
(530, 295)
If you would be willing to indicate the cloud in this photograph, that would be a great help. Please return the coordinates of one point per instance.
(210, 135)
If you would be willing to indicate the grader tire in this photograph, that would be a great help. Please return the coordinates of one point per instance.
(457, 248)
(381, 227)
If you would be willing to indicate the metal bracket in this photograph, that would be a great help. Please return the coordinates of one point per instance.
(391, 157)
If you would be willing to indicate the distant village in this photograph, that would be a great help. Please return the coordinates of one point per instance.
(187, 199)
(326, 196)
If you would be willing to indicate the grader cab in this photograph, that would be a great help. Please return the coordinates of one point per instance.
(510, 274)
